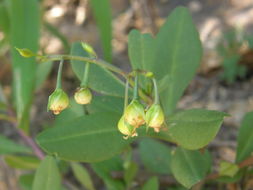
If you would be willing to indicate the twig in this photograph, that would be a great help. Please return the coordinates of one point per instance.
(27, 139)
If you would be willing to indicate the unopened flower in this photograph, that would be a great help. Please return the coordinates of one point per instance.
(126, 129)
(25, 52)
(58, 101)
(134, 114)
(83, 96)
(155, 117)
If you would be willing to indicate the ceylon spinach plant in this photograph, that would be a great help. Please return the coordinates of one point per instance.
(136, 106)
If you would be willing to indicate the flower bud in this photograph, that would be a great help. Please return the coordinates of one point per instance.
(134, 114)
(58, 101)
(126, 128)
(83, 96)
(155, 117)
(25, 52)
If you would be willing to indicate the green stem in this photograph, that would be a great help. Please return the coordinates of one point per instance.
(156, 91)
(126, 95)
(59, 75)
(84, 82)
(136, 87)
(103, 64)
(99, 62)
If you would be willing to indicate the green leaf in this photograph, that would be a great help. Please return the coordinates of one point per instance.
(22, 162)
(4, 19)
(104, 170)
(178, 188)
(25, 181)
(24, 34)
(195, 128)
(155, 156)
(230, 68)
(9, 147)
(47, 176)
(103, 17)
(237, 177)
(152, 183)
(245, 138)
(140, 50)
(82, 175)
(189, 167)
(178, 54)
(89, 139)
(106, 103)
(42, 73)
(228, 169)
(71, 113)
(100, 79)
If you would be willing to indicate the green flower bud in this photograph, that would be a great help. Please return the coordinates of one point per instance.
(83, 96)
(126, 128)
(58, 101)
(155, 117)
(89, 49)
(134, 114)
(25, 52)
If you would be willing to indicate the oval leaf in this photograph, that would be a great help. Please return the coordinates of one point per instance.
(152, 183)
(245, 138)
(47, 176)
(89, 139)
(189, 167)
(195, 128)
(178, 54)
(82, 175)
(155, 156)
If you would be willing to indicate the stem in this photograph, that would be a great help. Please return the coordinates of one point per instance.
(105, 65)
(156, 91)
(29, 141)
(84, 82)
(59, 75)
(135, 87)
(96, 61)
(126, 95)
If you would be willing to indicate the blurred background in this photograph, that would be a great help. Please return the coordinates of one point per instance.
(224, 81)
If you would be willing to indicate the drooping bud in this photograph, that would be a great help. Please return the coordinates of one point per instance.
(155, 117)
(25, 52)
(126, 129)
(58, 101)
(134, 114)
(83, 96)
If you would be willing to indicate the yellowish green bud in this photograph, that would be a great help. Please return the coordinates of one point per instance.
(25, 52)
(134, 114)
(126, 129)
(155, 117)
(149, 74)
(89, 49)
(58, 101)
(83, 96)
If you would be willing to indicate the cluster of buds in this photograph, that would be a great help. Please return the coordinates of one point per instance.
(135, 116)
(59, 100)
